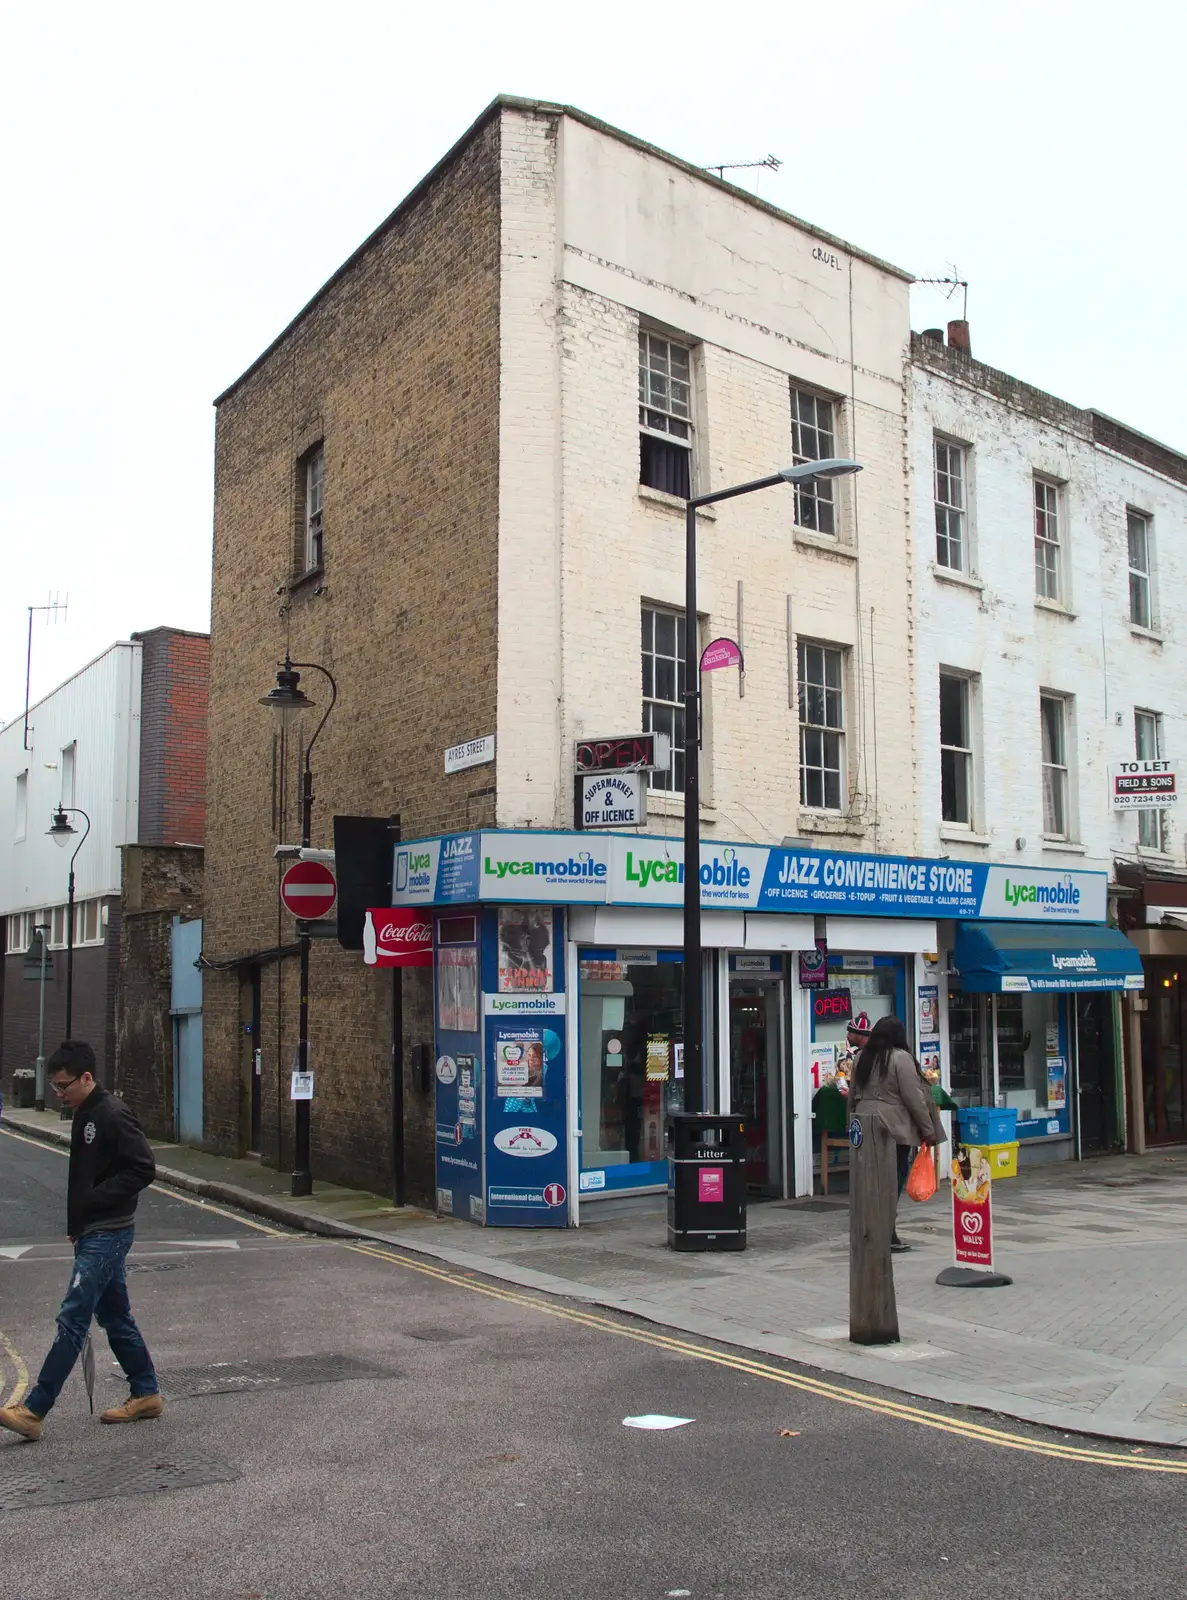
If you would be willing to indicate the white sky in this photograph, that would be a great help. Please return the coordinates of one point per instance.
(179, 180)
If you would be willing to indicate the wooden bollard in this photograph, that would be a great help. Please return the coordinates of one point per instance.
(873, 1200)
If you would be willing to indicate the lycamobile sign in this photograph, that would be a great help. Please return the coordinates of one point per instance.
(581, 866)
(1042, 894)
(566, 868)
(724, 871)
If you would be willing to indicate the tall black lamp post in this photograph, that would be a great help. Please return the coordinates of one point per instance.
(289, 699)
(61, 831)
(692, 1009)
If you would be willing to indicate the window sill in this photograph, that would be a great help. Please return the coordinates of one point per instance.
(954, 834)
(672, 502)
(1055, 607)
(962, 580)
(1066, 847)
(307, 580)
(832, 823)
(827, 543)
(1162, 858)
(1146, 633)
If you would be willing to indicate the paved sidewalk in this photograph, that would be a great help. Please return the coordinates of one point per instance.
(1090, 1337)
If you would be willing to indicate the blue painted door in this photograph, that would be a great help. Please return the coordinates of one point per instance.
(186, 1010)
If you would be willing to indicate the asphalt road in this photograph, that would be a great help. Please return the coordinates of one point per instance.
(477, 1448)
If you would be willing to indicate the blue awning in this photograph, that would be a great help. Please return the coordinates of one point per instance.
(1007, 957)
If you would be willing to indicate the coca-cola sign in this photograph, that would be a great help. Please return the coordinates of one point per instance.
(396, 936)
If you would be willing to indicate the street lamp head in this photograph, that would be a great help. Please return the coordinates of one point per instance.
(288, 698)
(60, 829)
(833, 467)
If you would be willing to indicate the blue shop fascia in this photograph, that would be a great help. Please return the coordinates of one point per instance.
(558, 983)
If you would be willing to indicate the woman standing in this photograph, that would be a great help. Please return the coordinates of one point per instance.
(888, 1084)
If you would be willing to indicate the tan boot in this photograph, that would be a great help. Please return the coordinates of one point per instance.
(21, 1420)
(135, 1409)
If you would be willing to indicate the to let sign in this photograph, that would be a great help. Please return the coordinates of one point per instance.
(628, 752)
(309, 889)
(1144, 783)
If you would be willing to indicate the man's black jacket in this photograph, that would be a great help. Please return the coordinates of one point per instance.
(110, 1162)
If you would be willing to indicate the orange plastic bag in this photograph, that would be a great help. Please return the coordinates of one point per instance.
(921, 1180)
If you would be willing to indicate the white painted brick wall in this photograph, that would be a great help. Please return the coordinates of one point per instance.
(1018, 648)
(643, 239)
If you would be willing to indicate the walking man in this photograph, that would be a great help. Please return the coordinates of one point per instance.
(110, 1162)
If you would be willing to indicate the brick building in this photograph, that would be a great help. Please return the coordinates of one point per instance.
(123, 741)
(439, 484)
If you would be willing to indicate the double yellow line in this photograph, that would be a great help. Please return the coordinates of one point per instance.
(20, 1387)
(1134, 1461)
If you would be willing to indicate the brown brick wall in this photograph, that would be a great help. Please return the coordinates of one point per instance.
(158, 883)
(395, 366)
(173, 704)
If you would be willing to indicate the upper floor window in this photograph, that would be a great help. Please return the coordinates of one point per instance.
(18, 931)
(1053, 713)
(665, 414)
(1141, 603)
(1147, 732)
(69, 752)
(1048, 540)
(313, 489)
(22, 804)
(951, 541)
(813, 438)
(956, 749)
(663, 689)
(820, 670)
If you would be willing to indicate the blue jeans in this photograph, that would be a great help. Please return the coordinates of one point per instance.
(97, 1289)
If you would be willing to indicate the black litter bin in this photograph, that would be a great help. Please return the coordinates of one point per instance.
(706, 1181)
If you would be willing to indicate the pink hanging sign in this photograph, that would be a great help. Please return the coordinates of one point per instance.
(720, 653)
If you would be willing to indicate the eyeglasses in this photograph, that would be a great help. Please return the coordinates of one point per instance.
(60, 1088)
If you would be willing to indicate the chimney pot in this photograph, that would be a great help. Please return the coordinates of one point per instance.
(936, 335)
(958, 337)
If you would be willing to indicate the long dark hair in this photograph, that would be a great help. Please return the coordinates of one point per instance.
(886, 1036)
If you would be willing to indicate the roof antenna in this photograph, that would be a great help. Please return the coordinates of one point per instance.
(952, 284)
(722, 167)
(51, 608)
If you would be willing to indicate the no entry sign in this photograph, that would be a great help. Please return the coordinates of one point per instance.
(309, 889)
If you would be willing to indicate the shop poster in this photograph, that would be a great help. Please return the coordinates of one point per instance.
(457, 988)
(658, 1057)
(822, 1064)
(458, 1082)
(525, 1121)
(525, 950)
(1056, 1083)
(520, 1062)
(929, 1011)
(972, 1217)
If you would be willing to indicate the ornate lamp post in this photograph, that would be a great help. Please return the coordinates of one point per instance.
(289, 700)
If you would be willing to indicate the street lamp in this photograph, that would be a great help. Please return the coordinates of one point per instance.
(61, 831)
(288, 699)
(41, 929)
(692, 1009)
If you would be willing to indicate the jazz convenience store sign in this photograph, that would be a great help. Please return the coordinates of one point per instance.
(590, 869)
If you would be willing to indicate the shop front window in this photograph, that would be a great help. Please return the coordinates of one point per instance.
(1032, 1072)
(858, 985)
(632, 1063)
(966, 1034)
